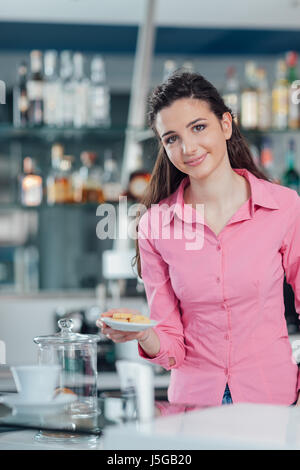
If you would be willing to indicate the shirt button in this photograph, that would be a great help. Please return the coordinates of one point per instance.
(226, 371)
(218, 279)
(224, 305)
(218, 247)
(226, 337)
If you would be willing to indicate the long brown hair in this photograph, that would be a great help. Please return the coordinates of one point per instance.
(165, 177)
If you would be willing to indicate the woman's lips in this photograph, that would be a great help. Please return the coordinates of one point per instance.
(196, 161)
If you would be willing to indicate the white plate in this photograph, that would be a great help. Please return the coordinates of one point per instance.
(126, 326)
(16, 402)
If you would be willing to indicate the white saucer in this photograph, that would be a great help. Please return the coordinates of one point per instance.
(127, 326)
(16, 402)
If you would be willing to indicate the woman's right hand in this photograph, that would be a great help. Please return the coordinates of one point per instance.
(118, 336)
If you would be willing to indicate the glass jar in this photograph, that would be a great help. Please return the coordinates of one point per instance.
(77, 355)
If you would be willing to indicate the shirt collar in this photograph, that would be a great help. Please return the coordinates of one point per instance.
(260, 196)
(261, 192)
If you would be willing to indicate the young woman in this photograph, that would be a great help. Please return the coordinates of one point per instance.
(218, 300)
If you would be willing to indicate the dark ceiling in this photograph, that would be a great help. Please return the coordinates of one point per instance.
(113, 39)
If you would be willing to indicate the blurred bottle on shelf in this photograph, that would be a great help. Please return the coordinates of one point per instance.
(112, 188)
(169, 67)
(52, 91)
(249, 98)
(99, 95)
(291, 177)
(66, 108)
(267, 160)
(35, 89)
(294, 85)
(231, 93)
(138, 182)
(31, 187)
(81, 92)
(59, 180)
(20, 98)
(280, 97)
(87, 181)
(264, 114)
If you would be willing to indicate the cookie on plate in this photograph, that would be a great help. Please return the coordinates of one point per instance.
(122, 316)
(139, 319)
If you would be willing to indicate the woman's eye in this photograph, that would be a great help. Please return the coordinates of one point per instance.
(199, 127)
(171, 140)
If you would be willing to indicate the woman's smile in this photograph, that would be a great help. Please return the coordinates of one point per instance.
(196, 161)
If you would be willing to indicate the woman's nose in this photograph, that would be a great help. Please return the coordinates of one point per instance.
(189, 147)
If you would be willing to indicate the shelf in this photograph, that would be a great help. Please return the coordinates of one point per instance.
(269, 131)
(16, 206)
(45, 206)
(8, 131)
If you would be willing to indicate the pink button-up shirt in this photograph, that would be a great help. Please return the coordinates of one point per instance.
(218, 300)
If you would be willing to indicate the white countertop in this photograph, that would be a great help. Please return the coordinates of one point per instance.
(240, 426)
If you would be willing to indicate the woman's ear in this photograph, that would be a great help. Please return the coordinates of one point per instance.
(227, 125)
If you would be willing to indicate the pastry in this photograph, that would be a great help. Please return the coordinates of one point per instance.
(139, 319)
(122, 316)
(130, 318)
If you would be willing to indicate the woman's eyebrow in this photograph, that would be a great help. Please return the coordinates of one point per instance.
(188, 125)
(196, 120)
(167, 133)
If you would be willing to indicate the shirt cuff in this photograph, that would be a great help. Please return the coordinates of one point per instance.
(162, 357)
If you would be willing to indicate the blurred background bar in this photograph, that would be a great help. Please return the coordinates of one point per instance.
(72, 70)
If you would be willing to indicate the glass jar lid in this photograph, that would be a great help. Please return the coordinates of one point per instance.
(66, 335)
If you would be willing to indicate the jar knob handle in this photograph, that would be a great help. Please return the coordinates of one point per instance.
(66, 325)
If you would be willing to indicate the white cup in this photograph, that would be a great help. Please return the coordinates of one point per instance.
(36, 383)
